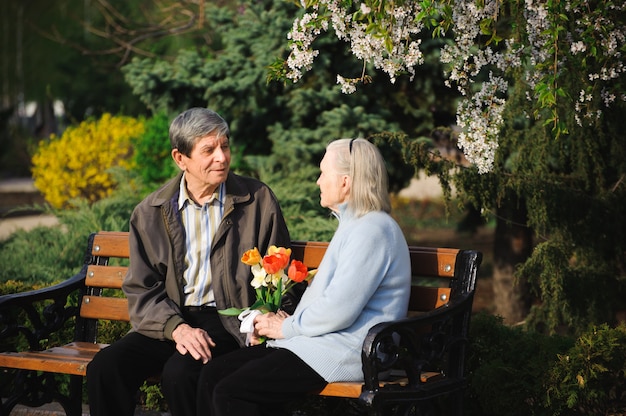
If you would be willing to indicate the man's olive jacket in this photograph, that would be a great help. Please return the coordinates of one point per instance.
(154, 284)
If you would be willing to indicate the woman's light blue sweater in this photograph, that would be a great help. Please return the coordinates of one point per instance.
(363, 279)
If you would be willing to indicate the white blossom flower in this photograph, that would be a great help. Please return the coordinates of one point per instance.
(347, 87)
(393, 45)
(259, 276)
(578, 47)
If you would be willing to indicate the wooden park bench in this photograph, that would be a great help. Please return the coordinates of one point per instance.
(406, 363)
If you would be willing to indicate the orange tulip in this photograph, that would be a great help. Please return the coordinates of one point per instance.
(279, 250)
(274, 263)
(251, 257)
(297, 271)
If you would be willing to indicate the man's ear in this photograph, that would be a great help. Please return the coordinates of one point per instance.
(179, 158)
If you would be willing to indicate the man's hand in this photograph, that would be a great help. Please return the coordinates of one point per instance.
(194, 341)
(270, 325)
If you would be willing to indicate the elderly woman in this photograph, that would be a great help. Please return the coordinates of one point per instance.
(363, 279)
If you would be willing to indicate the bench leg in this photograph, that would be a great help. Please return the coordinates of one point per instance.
(457, 403)
(8, 405)
(73, 404)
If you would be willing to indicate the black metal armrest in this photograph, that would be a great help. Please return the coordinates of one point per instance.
(433, 343)
(36, 314)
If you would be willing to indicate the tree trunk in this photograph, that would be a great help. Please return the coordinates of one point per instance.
(5, 101)
(512, 246)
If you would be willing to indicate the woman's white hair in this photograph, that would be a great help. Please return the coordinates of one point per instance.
(363, 163)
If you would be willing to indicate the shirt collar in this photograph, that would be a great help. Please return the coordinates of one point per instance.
(184, 198)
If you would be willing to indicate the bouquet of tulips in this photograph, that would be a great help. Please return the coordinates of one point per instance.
(270, 280)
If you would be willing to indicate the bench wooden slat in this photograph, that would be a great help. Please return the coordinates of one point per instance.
(312, 252)
(309, 252)
(41, 362)
(424, 299)
(85, 347)
(68, 359)
(100, 307)
(342, 389)
(105, 276)
(354, 389)
(423, 264)
(110, 244)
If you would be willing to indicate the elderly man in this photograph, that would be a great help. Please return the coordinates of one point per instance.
(186, 240)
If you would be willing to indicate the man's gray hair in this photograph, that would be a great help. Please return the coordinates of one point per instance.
(193, 124)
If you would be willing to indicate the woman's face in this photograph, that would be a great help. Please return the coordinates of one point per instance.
(334, 187)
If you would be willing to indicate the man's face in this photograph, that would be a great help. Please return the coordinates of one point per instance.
(208, 164)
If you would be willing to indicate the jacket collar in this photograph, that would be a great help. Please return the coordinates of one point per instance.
(236, 191)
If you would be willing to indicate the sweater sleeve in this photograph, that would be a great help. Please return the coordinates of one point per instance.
(357, 265)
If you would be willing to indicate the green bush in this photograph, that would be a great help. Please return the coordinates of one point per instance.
(151, 397)
(512, 371)
(590, 378)
(507, 367)
(41, 256)
(152, 159)
(14, 286)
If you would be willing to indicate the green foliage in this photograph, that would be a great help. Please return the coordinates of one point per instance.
(152, 398)
(43, 255)
(299, 199)
(291, 173)
(573, 192)
(110, 331)
(513, 371)
(507, 366)
(15, 286)
(168, 87)
(585, 285)
(152, 159)
(110, 214)
(590, 378)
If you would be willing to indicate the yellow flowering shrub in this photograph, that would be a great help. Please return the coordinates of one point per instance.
(77, 164)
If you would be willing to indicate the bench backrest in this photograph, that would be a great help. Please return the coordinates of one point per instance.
(438, 275)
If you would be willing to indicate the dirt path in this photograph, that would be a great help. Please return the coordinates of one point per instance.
(12, 224)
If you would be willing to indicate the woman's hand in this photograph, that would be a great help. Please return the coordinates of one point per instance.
(269, 325)
(255, 339)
